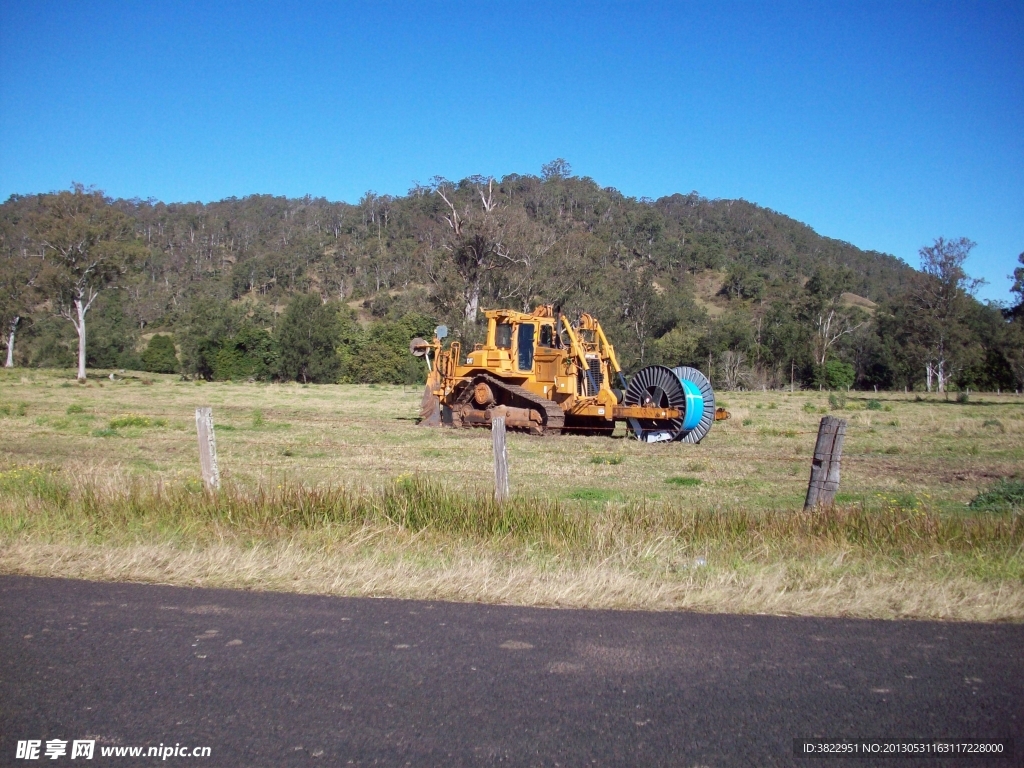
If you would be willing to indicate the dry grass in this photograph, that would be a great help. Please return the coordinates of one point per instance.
(335, 490)
(473, 576)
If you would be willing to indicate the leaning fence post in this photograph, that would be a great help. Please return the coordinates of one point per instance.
(207, 448)
(828, 450)
(500, 459)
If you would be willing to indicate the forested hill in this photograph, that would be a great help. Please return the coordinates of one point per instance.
(272, 245)
(726, 285)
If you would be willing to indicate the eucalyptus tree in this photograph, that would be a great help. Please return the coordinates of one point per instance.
(931, 315)
(1018, 283)
(88, 245)
(20, 264)
(826, 313)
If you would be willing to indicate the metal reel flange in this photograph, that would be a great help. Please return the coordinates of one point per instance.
(656, 387)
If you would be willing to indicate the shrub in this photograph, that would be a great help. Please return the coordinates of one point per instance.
(837, 400)
(383, 356)
(249, 354)
(160, 356)
(1005, 496)
(835, 375)
(873, 405)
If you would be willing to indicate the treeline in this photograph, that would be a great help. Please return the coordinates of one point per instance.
(311, 341)
(752, 296)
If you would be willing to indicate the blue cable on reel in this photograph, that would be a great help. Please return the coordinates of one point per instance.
(700, 404)
(694, 404)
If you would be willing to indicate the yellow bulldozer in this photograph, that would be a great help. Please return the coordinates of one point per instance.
(547, 376)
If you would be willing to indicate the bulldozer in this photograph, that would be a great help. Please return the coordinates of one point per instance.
(547, 376)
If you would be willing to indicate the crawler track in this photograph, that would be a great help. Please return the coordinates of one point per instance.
(516, 396)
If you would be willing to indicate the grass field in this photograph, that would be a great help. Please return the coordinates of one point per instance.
(335, 489)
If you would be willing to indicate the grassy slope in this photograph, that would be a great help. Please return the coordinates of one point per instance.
(627, 524)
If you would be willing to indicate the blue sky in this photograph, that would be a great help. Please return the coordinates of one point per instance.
(886, 125)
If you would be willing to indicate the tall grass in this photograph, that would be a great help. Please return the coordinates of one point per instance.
(42, 503)
(422, 539)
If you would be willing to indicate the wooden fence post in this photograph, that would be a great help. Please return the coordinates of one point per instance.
(207, 448)
(828, 450)
(500, 459)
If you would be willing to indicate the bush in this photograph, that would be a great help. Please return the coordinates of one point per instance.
(835, 375)
(837, 400)
(874, 405)
(1005, 496)
(384, 357)
(160, 356)
(249, 354)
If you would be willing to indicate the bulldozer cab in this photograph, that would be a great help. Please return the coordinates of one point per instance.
(522, 337)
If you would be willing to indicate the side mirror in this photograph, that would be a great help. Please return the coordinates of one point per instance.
(441, 331)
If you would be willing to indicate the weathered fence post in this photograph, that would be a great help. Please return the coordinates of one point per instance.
(500, 459)
(828, 450)
(207, 448)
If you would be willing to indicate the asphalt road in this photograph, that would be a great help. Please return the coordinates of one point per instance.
(268, 679)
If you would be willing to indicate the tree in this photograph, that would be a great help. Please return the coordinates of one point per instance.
(742, 282)
(88, 244)
(733, 371)
(483, 242)
(248, 354)
(160, 356)
(556, 169)
(644, 313)
(931, 316)
(20, 265)
(1018, 284)
(308, 337)
(113, 336)
(825, 312)
(18, 275)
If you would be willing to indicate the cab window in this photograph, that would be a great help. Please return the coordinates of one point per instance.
(526, 346)
(503, 336)
(547, 336)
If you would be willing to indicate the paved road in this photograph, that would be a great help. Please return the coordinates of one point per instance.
(278, 679)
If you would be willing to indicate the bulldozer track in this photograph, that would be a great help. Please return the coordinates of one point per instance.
(554, 418)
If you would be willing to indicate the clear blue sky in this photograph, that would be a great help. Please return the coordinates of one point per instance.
(886, 125)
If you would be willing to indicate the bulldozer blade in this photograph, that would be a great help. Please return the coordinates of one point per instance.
(430, 405)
